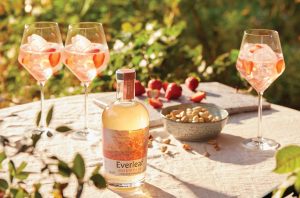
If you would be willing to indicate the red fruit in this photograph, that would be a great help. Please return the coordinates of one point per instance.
(155, 84)
(139, 88)
(192, 83)
(173, 91)
(98, 59)
(153, 93)
(155, 103)
(50, 50)
(54, 58)
(165, 85)
(197, 97)
(254, 48)
(248, 66)
(280, 66)
(94, 51)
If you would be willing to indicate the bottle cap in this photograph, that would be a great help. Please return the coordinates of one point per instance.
(125, 74)
(128, 77)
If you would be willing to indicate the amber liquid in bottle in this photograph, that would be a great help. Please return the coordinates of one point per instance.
(125, 136)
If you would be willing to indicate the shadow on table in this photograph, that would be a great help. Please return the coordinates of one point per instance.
(198, 191)
(238, 118)
(232, 151)
(147, 190)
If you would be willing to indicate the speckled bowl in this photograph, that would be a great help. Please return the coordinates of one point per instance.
(195, 131)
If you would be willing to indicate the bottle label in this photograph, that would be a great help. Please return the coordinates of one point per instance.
(125, 152)
(128, 89)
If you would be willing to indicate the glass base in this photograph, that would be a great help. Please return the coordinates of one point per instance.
(262, 144)
(126, 187)
(87, 135)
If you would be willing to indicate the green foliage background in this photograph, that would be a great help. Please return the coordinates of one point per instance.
(169, 39)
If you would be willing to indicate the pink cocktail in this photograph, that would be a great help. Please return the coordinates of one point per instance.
(41, 55)
(86, 54)
(86, 65)
(41, 64)
(260, 65)
(260, 62)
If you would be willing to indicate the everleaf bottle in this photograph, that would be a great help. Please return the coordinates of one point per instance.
(125, 136)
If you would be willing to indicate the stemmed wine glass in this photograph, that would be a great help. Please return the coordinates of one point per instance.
(86, 55)
(260, 62)
(40, 54)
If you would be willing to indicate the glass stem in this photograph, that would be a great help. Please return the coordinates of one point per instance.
(259, 129)
(42, 120)
(85, 105)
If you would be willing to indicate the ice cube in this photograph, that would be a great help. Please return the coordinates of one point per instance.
(81, 43)
(264, 54)
(37, 43)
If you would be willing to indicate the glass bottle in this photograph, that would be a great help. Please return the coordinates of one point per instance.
(125, 136)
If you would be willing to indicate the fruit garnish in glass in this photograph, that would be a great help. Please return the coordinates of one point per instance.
(86, 54)
(41, 55)
(260, 62)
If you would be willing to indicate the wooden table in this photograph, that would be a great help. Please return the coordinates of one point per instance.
(231, 172)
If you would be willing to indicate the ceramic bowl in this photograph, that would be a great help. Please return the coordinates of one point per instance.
(195, 131)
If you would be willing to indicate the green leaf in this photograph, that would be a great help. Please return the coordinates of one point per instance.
(22, 175)
(127, 27)
(12, 170)
(37, 186)
(49, 134)
(287, 159)
(96, 170)
(297, 183)
(21, 167)
(98, 181)
(20, 193)
(35, 138)
(14, 191)
(2, 157)
(37, 195)
(63, 129)
(64, 169)
(49, 115)
(3, 184)
(38, 118)
(78, 166)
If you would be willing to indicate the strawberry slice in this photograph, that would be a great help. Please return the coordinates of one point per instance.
(69, 61)
(98, 59)
(198, 97)
(155, 103)
(280, 66)
(50, 50)
(153, 93)
(248, 66)
(54, 58)
(94, 51)
(255, 47)
(25, 59)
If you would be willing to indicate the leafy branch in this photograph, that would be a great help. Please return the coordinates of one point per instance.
(288, 162)
(15, 185)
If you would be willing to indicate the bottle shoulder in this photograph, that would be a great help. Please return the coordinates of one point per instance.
(126, 106)
(124, 115)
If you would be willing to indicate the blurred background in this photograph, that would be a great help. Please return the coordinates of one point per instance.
(166, 39)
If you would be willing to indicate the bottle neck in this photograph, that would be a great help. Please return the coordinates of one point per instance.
(125, 90)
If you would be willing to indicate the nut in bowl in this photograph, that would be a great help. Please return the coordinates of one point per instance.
(194, 122)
